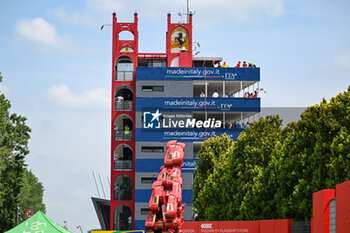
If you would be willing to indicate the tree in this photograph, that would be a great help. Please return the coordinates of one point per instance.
(227, 171)
(271, 173)
(251, 156)
(315, 155)
(13, 149)
(31, 195)
(211, 155)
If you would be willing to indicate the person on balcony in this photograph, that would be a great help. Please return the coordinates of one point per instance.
(224, 65)
(238, 64)
(216, 65)
(120, 100)
(202, 94)
(234, 124)
(115, 161)
(244, 65)
(215, 94)
(126, 130)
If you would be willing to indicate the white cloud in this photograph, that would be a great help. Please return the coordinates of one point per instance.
(93, 98)
(76, 18)
(207, 10)
(41, 32)
(343, 60)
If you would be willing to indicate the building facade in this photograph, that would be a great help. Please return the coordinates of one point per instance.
(158, 97)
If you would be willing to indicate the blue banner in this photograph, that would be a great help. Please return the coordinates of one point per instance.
(153, 165)
(183, 134)
(143, 195)
(198, 104)
(198, 73)
(139, 224)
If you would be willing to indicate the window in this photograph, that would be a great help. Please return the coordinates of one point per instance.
(148, 180)
(154, 149)
(122, 188)
(122, 218)
(144, 211)
(124, 69)
(156, 63)
(153, 88)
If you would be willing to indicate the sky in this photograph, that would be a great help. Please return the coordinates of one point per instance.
(56, 64)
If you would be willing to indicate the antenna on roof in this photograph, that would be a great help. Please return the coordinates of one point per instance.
(103, 187)
(188, 13)
(98, 190)
(109, 183)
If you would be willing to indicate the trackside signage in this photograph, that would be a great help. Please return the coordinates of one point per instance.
(138, 231)
(183, 134)
(199, 104)
(163, 126)
(222, 227)
(197, 73)
(263, 226)
(153, 120)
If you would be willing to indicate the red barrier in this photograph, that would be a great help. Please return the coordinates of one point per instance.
(282, 225)
(320, 210)
(264, 226)
(343, 207)
(311, 225)
(221, 227)
(319, 222)
(275, 226)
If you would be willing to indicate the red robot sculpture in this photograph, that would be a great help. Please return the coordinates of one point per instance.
(165, 205)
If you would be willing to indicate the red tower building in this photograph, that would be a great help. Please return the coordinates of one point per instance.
(142, 85)
(125, 57)
(124, 60)
(179, 33)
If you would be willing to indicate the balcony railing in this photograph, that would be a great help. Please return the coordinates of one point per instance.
(123, 165)
(124, 105)
(124, 75)
(123, 194)
(123, 135)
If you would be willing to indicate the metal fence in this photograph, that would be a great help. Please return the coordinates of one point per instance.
(123, 165)
(332, 216)
(300, 227)
(123, 135)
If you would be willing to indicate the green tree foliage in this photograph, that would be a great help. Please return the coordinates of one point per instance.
(211, 155)
(270, 172)
(31, 195)
(234, 171)
(13, 149)
(315, 155)
(252, 154)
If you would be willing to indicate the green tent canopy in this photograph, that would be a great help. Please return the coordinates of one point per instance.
(38, 223)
